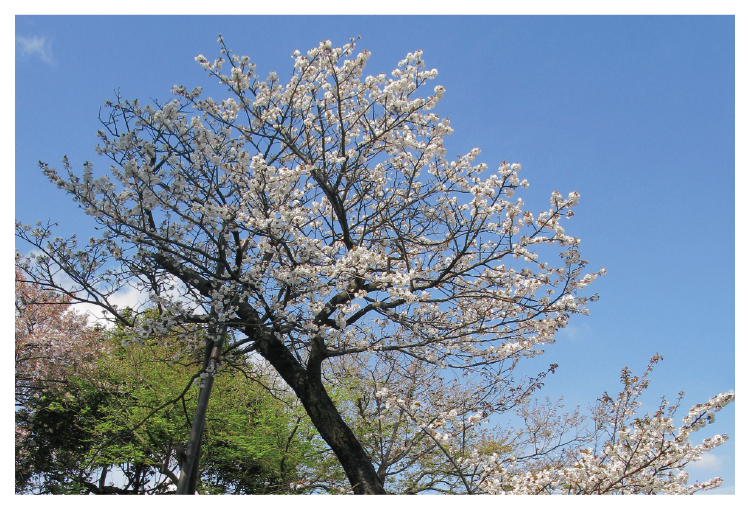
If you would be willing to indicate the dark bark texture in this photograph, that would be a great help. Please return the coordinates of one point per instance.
(307, 384)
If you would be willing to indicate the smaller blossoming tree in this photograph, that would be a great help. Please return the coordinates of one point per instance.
(53, 342)
(628, 454)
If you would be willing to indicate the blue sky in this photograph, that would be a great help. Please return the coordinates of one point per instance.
(637, 114)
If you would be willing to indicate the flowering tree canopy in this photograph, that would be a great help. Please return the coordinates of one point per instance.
(53, 342)
(320, 220)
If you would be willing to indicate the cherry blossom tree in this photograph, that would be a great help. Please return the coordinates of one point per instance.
(53, 341)
(313, 221)
(628, 454)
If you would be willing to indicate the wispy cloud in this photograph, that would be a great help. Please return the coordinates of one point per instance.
(575, 333)
(709, 466)
(708, 461)
(34, 46)
(127, 297)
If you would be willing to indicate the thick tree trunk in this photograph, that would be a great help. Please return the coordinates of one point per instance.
(308, 386)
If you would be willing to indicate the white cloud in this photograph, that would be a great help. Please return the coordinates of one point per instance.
(709, 466)
(133, 298)
(127, 297)
(708, 461)
(34, 45)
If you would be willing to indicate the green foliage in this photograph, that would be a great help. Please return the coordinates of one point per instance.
(57, 437)
(130, 414)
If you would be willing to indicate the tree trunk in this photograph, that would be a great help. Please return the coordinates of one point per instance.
(308, 386)
(193, 482)
(189, 473)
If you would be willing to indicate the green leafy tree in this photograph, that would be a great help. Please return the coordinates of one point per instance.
(121, 428)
